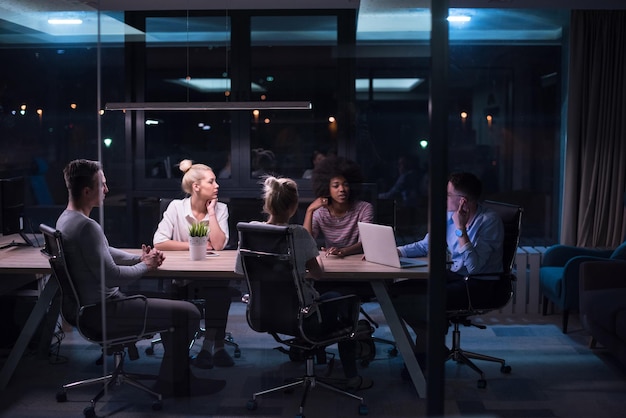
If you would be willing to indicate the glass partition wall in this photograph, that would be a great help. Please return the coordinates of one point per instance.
(367, 77)
(368, 85)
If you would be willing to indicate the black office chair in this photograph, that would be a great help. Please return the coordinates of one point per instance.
(198, 302)
(114, 342)
(276, 306)
(512, 218)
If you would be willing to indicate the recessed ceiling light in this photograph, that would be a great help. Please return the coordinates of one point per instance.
(459, 18)
(388, 84)
(65, 21)
(210, 85)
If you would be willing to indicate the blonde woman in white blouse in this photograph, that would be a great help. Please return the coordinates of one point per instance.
(201, 205)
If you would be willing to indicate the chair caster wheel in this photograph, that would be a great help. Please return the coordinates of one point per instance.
(482, 383)
(150, 351)
(363, 410)
(61, 396)
(89, 412)
(505, 369)
(157, 406)
(237, 353)
(393, 352)
(252, 405)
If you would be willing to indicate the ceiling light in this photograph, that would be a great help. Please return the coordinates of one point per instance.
(388, 85)
(459, 18)
(155, 106)
(65, 21)
(210, 85)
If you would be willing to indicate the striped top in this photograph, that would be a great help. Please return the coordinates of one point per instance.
(341, 231)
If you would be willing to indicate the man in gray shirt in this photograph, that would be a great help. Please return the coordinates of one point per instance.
(92, 263)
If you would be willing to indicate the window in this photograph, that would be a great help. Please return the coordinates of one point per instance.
(293, 58)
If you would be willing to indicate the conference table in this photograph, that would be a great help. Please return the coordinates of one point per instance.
(25, 261)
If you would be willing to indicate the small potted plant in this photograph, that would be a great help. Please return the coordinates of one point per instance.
(198, 237)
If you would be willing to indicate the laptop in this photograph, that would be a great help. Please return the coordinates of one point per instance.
(379, 246)
(31, 239)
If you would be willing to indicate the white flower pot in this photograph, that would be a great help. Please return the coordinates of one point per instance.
(197, 248)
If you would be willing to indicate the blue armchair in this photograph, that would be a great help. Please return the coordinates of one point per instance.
(559, 274)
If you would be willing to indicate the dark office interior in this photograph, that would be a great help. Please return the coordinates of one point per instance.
(522, 110)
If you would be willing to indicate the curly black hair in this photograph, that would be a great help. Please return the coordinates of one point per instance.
(334, 166)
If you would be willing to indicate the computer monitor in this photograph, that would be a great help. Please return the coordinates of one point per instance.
(11, 204)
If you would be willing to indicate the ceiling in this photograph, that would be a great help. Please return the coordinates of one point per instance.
(25, 22)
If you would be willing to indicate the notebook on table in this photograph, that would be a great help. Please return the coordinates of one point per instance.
(379, 246)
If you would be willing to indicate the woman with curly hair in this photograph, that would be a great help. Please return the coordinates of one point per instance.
(336, 210)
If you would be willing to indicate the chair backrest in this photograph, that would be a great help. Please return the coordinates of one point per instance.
(164, 202)
(242, 209)
(74, 311)
(267, 258)
(511, 216)
(53, 250)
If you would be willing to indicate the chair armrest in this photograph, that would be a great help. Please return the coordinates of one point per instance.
(350, 303)
(113, 336)
(346, 308)
(572, 267)
(503, 292)
(501, 275)
(598, 275)
(558, 255)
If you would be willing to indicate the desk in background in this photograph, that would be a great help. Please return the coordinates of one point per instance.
(19, 266)
(28, 260)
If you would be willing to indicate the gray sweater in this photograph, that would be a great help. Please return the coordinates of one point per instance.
(90, 258)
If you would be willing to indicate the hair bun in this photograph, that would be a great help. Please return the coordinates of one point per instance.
(185, 165)
(271, 182)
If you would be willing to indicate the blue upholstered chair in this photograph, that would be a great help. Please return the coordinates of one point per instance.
(559, 274)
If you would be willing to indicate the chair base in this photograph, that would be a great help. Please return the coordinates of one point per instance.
(461, 356)
(116, 377)
(309, 381)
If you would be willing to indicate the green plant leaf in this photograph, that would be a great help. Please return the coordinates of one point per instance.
(198, 229)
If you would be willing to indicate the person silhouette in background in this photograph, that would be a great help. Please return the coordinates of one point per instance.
(406, 188)
(317, 158)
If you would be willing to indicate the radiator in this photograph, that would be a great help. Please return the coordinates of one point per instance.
(526, 296)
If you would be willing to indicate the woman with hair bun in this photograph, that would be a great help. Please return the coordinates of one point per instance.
(280, 197)
(172, 234)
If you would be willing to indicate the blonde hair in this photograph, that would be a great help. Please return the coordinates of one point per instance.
(194, 173)
(280, 195)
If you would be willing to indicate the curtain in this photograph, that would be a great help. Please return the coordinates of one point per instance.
(594, 189)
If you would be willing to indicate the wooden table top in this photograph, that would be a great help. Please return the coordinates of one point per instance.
(29, 260)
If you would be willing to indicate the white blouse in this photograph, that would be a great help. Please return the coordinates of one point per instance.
(178, 217)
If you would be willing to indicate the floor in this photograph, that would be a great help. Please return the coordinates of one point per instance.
(553, 375)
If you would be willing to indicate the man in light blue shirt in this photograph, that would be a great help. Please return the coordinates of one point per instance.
(475, 237)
